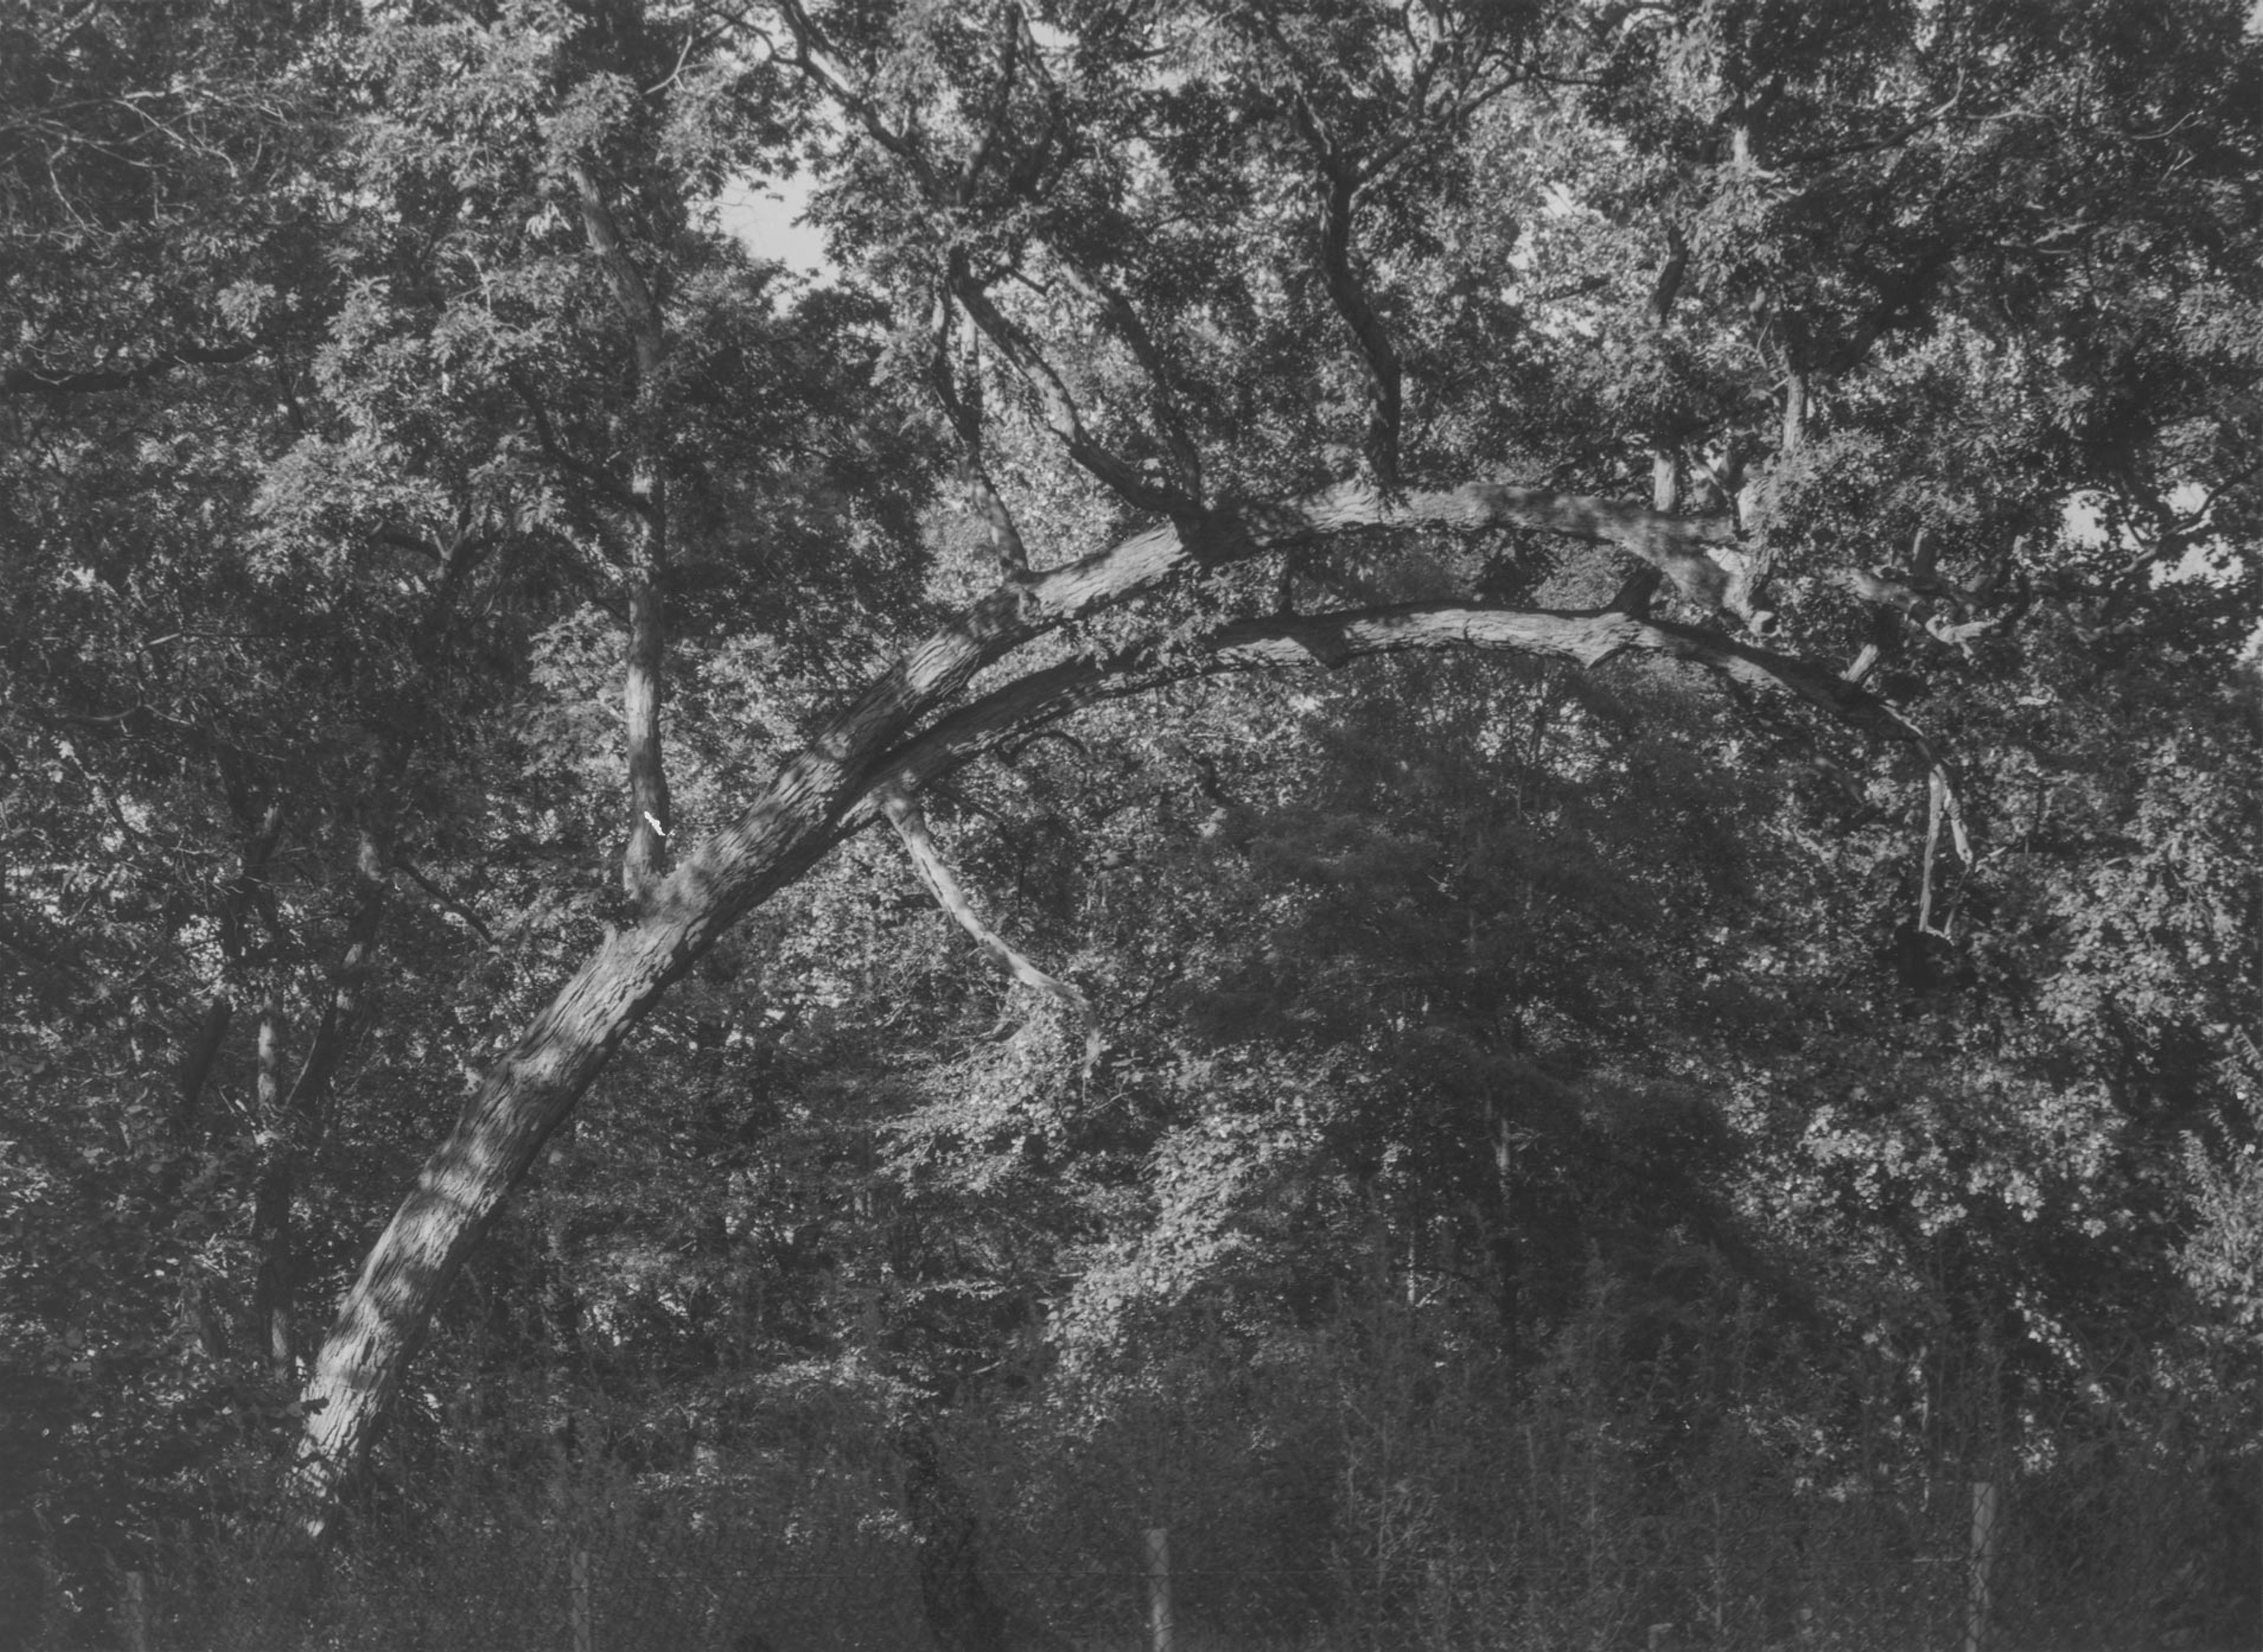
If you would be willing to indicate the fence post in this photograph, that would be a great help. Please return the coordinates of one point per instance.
(1161, 1630)
(136, 1614)
(1981, 1562)
(585, 1638)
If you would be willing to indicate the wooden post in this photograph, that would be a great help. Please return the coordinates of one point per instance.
(136, 1614)
(1161, 1629)
(585, 1638)
(1982, 1561)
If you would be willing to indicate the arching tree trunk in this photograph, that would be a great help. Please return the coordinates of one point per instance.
(827, 793)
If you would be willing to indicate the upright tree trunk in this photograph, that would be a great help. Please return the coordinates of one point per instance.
(270, 1225)
(271, 1238)
(289, 1122)
(643, 862)
(203, 1052)
(561, 1301)
(1499, 1203)
(1665, 462)
(962, 1614)
(201, 1055)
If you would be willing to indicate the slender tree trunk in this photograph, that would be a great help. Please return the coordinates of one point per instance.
(963, 408)
(962, 1614)
(202, 1055)
(1377, 352)
(203, 1052)
(561, 1303)
(1665, 480)
(272, 1297)
(289, 1122)
(270, 1221)
(645, 861)
(1500, 1220)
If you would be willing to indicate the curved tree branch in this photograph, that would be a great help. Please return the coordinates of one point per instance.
(25, 380)
(1016, 711)
(904, 813)
(817, 797)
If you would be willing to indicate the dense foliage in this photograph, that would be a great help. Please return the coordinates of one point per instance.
(1592, 663)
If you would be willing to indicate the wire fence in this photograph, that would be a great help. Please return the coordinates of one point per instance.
(1998, 1566)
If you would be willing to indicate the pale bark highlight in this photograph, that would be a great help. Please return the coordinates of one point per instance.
(910, 821)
